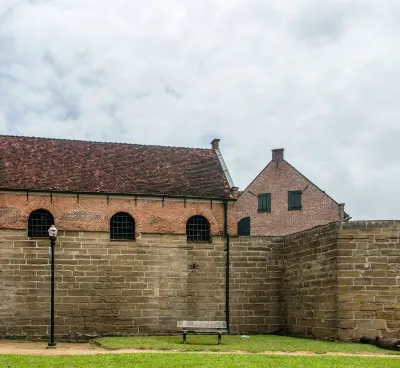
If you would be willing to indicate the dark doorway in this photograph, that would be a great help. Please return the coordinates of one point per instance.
(244, 227)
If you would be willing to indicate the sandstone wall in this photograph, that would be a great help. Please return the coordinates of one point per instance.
(134, 287)
(256, 284)
(109, 287)
(310, 282)
(336, 281)
(369, 279)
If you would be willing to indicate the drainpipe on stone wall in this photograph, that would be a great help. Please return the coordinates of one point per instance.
(227, 264)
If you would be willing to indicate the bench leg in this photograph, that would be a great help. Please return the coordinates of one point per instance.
(184, 337)
(219, 338)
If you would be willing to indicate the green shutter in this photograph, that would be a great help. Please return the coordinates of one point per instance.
(264, 202)
(260, 202)
(294, 200)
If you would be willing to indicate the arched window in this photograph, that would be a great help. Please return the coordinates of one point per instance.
(39, 222)
(122, 226)
(197, 229)
(244, 226)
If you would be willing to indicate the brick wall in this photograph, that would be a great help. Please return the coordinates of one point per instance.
(310, 282)
(93, 213)
(256, 284)
(278, 179)
(369, 279)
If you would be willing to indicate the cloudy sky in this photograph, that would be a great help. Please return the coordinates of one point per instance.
(319, 78)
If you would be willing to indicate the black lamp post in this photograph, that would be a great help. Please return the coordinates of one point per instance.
(53, 238)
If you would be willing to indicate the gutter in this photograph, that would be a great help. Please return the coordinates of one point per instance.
(138, 194)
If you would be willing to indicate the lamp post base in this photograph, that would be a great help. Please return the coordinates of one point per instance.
(51, 345)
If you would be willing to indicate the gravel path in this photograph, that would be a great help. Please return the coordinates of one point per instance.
(40, 348)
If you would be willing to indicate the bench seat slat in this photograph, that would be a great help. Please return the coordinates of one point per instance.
(205, 331)
(201, 324)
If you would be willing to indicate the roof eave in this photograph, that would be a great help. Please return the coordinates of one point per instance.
(229, 197)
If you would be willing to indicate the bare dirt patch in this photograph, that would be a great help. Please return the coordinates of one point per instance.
(40, 348)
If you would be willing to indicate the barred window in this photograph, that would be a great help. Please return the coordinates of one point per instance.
(122, 226)
(197, 229)
(39, 222)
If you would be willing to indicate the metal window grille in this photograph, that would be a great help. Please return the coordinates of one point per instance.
(122, 226)
(264, 202)
(294, 200)
(198, 229)
(39, 222)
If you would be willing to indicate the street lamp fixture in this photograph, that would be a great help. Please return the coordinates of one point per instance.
(53, 238)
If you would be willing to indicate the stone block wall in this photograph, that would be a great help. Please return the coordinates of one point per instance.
(343, 281)
(340, 280)
(369, 279)
(256, 284)
(310, 282)
(108, 287)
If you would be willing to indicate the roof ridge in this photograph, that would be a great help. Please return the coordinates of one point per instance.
(87, 141)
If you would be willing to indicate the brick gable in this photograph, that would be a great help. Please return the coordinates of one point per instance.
(278, 178)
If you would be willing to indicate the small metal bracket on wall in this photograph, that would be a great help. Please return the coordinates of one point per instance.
(193, 267)
(184, 202)
(51, 197)
(27, 196)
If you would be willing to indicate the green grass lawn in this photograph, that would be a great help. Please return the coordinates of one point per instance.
(253, 343)
(180, 360)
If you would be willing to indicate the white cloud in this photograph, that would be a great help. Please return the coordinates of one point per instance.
(319, 78)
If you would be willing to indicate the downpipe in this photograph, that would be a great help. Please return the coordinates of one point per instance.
(227, 276)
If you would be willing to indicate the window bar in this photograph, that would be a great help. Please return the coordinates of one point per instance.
(122, 226)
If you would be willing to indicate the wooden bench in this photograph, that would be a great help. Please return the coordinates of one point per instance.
(202, 327)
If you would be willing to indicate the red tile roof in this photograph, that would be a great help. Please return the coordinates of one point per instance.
(99, 167)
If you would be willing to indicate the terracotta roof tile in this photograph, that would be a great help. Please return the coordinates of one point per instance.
(99, 167)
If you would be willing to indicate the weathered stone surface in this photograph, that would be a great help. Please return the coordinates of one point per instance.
(310, 283)
(314, 283)
(373, 301)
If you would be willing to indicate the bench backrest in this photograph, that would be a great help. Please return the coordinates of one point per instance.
(201, 324)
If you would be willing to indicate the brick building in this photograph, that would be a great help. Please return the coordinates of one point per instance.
(141, 235)
(147, 237)
(282, 201)
(82, 185)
